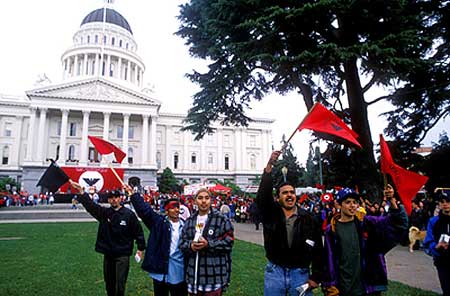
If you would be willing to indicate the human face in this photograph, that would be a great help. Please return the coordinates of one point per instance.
(173, 214)
(203, 201)
(286, 197)
(114, 201)
(348, 208)
(445, 206)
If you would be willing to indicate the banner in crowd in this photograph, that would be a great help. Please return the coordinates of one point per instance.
(101, 178)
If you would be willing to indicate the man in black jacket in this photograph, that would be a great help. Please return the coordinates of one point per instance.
(118, 229)
(292, 239)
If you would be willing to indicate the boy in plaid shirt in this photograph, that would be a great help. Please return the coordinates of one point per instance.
(206, 241)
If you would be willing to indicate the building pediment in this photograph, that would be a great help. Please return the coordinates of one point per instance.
(93, 90)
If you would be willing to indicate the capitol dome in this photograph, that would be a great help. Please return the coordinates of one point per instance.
(112, 17)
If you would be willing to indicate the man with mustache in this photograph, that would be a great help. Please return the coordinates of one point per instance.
(292, 239)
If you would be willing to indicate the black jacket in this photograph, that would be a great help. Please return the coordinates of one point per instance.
(117, 229)
(307, 246)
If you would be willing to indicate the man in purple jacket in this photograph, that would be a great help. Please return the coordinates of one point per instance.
(355, 248)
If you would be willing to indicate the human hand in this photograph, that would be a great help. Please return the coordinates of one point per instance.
(273, 158)
(312, 284)
(128, 189)
(76, 186)
(442, 245)
(199, 245)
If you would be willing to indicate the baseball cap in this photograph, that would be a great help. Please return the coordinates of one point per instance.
(345, 193)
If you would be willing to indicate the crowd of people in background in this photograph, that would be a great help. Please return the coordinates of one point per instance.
(23, 199)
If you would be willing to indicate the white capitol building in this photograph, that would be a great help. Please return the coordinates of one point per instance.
(102, 94)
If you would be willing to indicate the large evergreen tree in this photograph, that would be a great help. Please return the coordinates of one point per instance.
(335, 51)
(167, 182)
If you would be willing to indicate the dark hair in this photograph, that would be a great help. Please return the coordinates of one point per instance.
(281, 185)
(114, 193)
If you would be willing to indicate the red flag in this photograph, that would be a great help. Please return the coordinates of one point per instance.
(326, 197)
(320, 119)
(105, 147)
(303, 198)
(407, 183)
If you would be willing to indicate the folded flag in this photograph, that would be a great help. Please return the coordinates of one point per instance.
(104, 147)
(326, 197)
(406, 182)
(320, 119)
(53, 178)
(303, 197)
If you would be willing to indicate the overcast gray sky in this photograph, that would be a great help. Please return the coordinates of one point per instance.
(36, 33)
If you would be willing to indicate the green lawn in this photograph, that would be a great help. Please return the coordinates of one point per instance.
(59, 259)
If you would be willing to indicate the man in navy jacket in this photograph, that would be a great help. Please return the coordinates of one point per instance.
(163, 259)
(118, 229)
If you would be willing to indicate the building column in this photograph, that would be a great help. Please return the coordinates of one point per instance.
(153, 141)
(30, 138)
(85, 65)
(141, 82)
(75, 66)
(219, 163)
(15, 153)
(108, 66)
(238, 145)
(126, 124)
(63, 137)
(41, 134)
(166, 145)
(129, 71)
(84, 139)
(144, 146)
(186, 158)
(106, 117)
(119, 68)
(97, 63)
(136, 74)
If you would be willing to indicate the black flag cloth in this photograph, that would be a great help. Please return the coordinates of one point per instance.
(53, 178)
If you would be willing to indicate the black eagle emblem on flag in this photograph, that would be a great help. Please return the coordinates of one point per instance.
(91, 181)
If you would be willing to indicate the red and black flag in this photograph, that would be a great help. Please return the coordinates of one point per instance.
(322, 120)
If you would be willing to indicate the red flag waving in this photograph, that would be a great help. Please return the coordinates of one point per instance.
(105, 147)
(303, 197)
(320, 119)
(407, 183)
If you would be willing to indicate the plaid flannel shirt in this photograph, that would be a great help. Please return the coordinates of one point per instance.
(214, 262)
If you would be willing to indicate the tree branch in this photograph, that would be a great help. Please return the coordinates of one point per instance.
(443, 113)
(370, 84)
(379, 99)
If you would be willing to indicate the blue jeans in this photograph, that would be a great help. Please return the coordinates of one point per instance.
(282, 281)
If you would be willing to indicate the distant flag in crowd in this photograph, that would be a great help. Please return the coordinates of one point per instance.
(303, 197)
(406, 182)
(104, 147)
(320, 119)
(327, 197)
(53, 178)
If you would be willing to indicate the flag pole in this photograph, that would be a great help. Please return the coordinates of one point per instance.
(296, 129)
(116, 174)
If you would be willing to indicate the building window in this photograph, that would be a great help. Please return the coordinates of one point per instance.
(8, 129)
(71, 152)
(120, 43)
(94, 156)
(158, 137)
(253, 161)
(125, 73)
(126, 46)
(93, 68)
(5, 155)
(79, 68)
(210, 158)
(96, 39)
(175, 160)
(130, 155)
(131, 132)
(119, 132)
(103, 68)
(111, 70)
(227, 162)
(252, 141)
(104, 39)
(226, 140)
(210, 139)
(113, 40)
(158, 159)
(57, 152)
(73, 129)
(193, 158)
(58, 128)
(88, 39)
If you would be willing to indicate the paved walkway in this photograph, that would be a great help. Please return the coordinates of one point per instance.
(413, 269)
